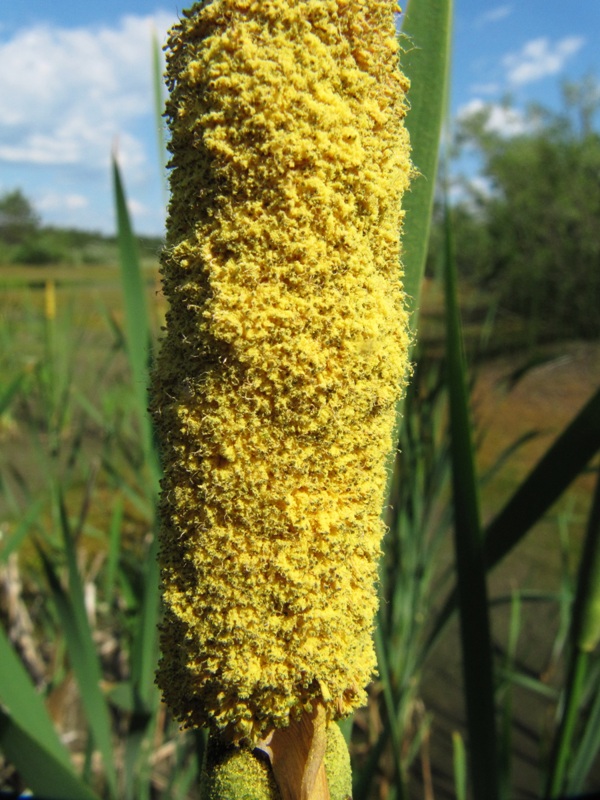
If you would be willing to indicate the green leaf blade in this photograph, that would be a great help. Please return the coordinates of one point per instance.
(43, 773)
(428, 26)
(470, 563)
(85, 664)
(137, 325)
(19, 696)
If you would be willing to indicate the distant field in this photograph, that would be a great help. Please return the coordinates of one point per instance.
(83, 295)
(72, 410)
(30, 276)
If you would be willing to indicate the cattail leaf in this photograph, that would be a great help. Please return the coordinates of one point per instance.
(114, 548)
(586, 609)
(38, 764)
(137, 328)
(428, 28)
(145, 645)
(70, 607)
(587, 750)
(562, 747)
(585, 635)
(459, 760)
(159, 109)
(34, 509)
(470, 564)
(21, 700)
(391, 710)
(137, 325)
(506, 710)
(533, 685)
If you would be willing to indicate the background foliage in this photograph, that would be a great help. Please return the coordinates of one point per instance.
(527, 231)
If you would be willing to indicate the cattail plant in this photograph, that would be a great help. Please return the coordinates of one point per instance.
(285, 353)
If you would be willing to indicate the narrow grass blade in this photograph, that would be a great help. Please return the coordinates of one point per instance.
(428, 26)
(114, 547)
(533, 685)
(144, 654)
(43, 773)
(471, 574)
(506, 455)
(137, 326)
(81, 648)
(159, 108)
(20, 699)
(506, 712)
(25, 524)
(183, 779)
(131, 765)
(587, 751)
(561, 750)
(8, 393)
(586, 608)
(87, 672)
(390, 707)
(585, 635)
(459, 760)
(76, 592)
(138, 341)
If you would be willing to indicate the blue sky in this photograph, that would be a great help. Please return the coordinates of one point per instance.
(75, 80)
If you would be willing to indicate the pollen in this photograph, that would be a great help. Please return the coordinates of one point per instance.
(284, 355)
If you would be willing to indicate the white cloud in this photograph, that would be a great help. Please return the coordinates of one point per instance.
(494, 15)
(540, 58)
(500, 119)
(66, 93)
(53, 201)
(137, 208)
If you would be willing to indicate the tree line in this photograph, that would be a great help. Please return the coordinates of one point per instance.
(529, 232)
(24, 240)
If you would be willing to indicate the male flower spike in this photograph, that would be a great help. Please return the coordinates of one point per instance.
(284, 355)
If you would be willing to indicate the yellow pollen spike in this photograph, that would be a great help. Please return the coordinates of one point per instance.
(284, 355)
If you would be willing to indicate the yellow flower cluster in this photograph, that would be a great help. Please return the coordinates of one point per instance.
(284, 355)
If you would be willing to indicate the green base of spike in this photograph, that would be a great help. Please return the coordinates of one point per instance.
(238, 773)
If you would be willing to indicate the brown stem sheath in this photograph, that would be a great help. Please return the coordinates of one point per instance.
(297, 756)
